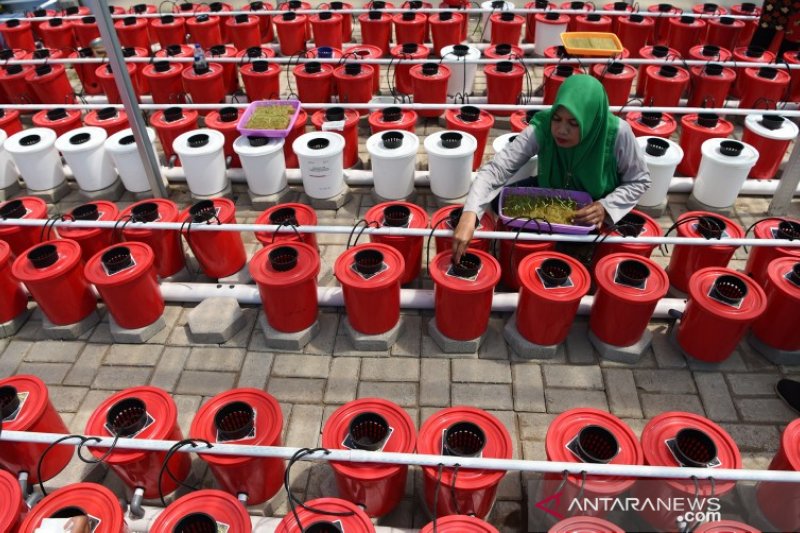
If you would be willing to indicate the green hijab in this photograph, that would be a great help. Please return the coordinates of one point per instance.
(591, 165)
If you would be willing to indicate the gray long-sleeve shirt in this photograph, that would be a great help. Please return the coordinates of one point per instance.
(631, 166)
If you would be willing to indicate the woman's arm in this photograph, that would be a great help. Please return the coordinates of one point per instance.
(634, 175)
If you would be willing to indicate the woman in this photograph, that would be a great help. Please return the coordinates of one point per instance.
(581, 146)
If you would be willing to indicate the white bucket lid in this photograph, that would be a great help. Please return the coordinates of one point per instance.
(81, 140)
(47, 138)
(216, 140)
(472, 53)
(407, 148)
(747, 157)
(3, 137)
(243, 147)
(335, 144)
(115, 145)
(433, 145)
(786, 132)
(671, 157)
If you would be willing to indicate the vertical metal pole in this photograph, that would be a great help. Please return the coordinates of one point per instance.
(782, 199)
(106, 26)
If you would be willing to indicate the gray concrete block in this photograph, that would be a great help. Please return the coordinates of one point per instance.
(53, 195)
(373, 343)
(776, 356)
(259, 202)
(693, 204)
(137, 335)
(111, 193)
(449, 345)
(7, 329)
(622, 354)
(242, 277)
(10, 191)
(280, 340)
(655, 211)
(216, 320)
(334, 202)
(522, 346)
(227, 192)
(69, 331)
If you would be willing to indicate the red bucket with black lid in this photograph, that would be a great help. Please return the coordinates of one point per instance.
(628, 288)
(521, 120)
(53, 273)
(166, 83)
(376, 29)
(782, 289)
(110, 119)
(410, 27)
(554, 76)
(685, 260)
(585, 524)
(243, 30)
(125, 276)
(79, 499)
(725, 32)
(86, 31)
(17, 34)
(314, 82)
(507, 27)
(651, 124)
(401, 215)
(367, 51)
(657, 52)
(504, 83)
(288, 214)
(665, 85)
(144, 413)
(247, 417)
(634, 224)
(370, 276)
(552, 285)
(86, 71)
(347, 517)
(763, 87)
(13, 84)
(684, 32)
(463, 432)
(204, 510)
(370, 424)
(91, 240)
(220, 253)
(676, 438)
(59, 120)
(12, 504)
(353, 84)
(15, 300)
(634, 32)
(168, 30)
(617, 79)
(133, 32)
(170, 124)
(776, 499)
(57, 34)
(392, 118)
(50, 84)
(291, 30)
(748, 54)
(448, 217)
(109, 85)
(264, 21)
(402, 77)
(262, 80)
(459, 524)
(205, 30)
(503, 50)
(761, 256)
(205, 86)
(710, 85)
(225, 120)
(475, 122)
(25, 406)
(327, 29)
(591, 436)
(20, 238)
(166, 244)
(286, 275)
(695, 130)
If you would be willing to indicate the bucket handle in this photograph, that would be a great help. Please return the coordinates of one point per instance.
(754, 224)
(366, 224)
(282, 224)
(188, 225)
(451, 486)
(165, 465)
(674, 226)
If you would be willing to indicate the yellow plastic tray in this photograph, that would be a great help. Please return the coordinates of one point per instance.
(588, 43)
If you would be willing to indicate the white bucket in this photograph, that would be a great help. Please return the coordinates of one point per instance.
(125, 155)
(85, 153)
(662, 169)
(263, 164)
(393, 168)
(36, 157)
(450, 168)
(462, 75)
(720, 177)
(200, 152)
(547, 35)
(531, 168)
(8, 172)
(320, 157)
(486, 23)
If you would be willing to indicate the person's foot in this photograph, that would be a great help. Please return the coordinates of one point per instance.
(789, 391)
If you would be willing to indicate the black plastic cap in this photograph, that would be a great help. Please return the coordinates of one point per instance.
(651, 120)
(56, 114)
(167, 19)
(713, 69)
(656, 146)
(106, 113)
(505, 66)
(451, 139)
(469, 113)
(410, 48)
(374, 15)
(352, 69)
(333, 114)
(772, 122)
(241, 19)
(129, 21)
(616, 68)
(228, 114)
(660, 51)
(408, 16)
(768, 73)
(260, 66)
(161, 66)
(312, 67)
(198, 140)
(430, 69)
(668, 71)
(730, 148)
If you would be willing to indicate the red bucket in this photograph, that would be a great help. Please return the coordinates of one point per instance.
(314, 82)
(49, 13)
(761, 256)
(20, 238)
(50, 84)
(86, 31)
(86, 72)
(504, 83)
(291, 29)
(288, 215)
(710, 85)
(230, 74)
(28, 397)
(665, 85)
(460, 431)
(59, 120)
(91, 240)
(82, 499)
(367, 51)
(286, 274)
(402, 77)
(132, 32)
(205, 87)
(783, 295)
(617, 79)
(458, 524)
(370, 277)
(109, 85)
(447, 218)
(225, 121)
(376, 30)
(512, 252)
(145, 413)
(352, 81)
(777, 500)
(409, 27)
(770, 135)
(262, 80)
(430, 86)
(204, 30)
(749, 9)
(126, 278)
(177, 50)
(53, 273)
(748, 54)
(585, 524)
(327, 29)
(347, 20)
(521, 120)
(12, 504)
(13, 84)
(110, 119)
(709, 52)
(635, 32)
(477, 123)
(554, 76)
(346, 517)
(762, 88)
(204, 508)
(18, 34)
(298, 129)
(170, 124)
(652, 52)
(552, 286)
(445, 29)
(243, 30)
(139, 82)
(220, 253)
(593, 23)
(350, 132)
(722, 305)
(57, 34)
(724, 32)
(628, 288)
(166, 244)
(793, 58)
(392, 118)
(507, 28)
(404, 215)
(684, 32)
(248, 417)
(370, 424)
(9, 121)
(168, 30)
(15, 300)
(264, 21)
(634, 224)
(695, 130)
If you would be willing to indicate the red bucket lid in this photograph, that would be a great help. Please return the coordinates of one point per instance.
(161, 420)
(728, 75)
(665, 427)
(651, 228)
(778, 271)
(418, 218)
(564, 430)
(459, 524)
(585, 524)
(225, 509)
(93, 499)
(92, 118)
(213, 70)
(364, 50)
(33, 397)
(790, 444)
(726, 526)
(224, 207)
(107, 212)
(167, 212)
(600, 71)
(488, 275)
(42, 120)
(308, 265)
(267, 423)
(10, 501)
(390, 274)
(186, 51)
(740, 54)
(492, 52)
(5, 254)
(485, 121)
(402, 437)
(422, 50)
(747, 309)
(575, 288)
(690, 229)
(498, 445)
(305, 215)
(654, 289)
(35, 208)
(516, 69)
(723, 128)
(33, 76)
(69, 255)
(189, 116)
(143, 261)
(248, 69)
(351, 118)
(654, 71)
(266, 50)
(212, 20)
(358, 522)
(765, 229)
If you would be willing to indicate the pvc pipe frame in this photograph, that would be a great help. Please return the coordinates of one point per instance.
(387, 458)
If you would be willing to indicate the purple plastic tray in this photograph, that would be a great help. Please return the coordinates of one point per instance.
(241, 126)
(582, 198)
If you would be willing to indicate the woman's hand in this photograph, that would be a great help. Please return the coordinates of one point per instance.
(593, 214)
(463, 234)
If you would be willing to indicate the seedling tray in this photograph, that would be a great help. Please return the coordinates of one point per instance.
(251, 109)
(589, 43)
(581, 198)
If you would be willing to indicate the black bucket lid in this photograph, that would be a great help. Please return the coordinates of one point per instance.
(127, 417)
(241, 19)
(656, 146)
(352, 69)
(260, 66)
(171, 114)
(564, 71)
(632, 272)
(13, 209)
(318, 143)
(551, 16)
(502, 49)
(631, 225)
(198, 140)
(788, 230)
(391, 114)
(408, 16)
(730, 148)
(161, 66)
(430, 69)
(754, 51)
(726, 21)
(711, 227)
(713, 69)
(596, 444)
(167, 19)
(85, 212)
(12, 23)
(374, 15)
(460, 50)
(129, 21)
(58, 113)
(43, 256)
(196, 523)
(106, 113)
(234, 421)
(144, 212)
(203, 211)
(56, 22)
(709, 7)
(686, 19)
(651, 119)
(9, 401)
(79, 138)
(768, 73)
(707, 120)
(116, 259)
(636, 18)
(506, 16)
(368, 262)
(593, 17)
(312, 67)
(283, 258)
(729, 289)
(772, 122)
(285, 216)
(468, 266)
(668, 71)
(13, 69)
(396, 215)
(445, 15)
(368, 431)
(289, 16)
(555, 272)
(392, 140)
(463, 439)
(694, 448)
(42, 70)
(333, 114)
(710, 50)
(451, 139)
(410, 48)
(30, 140)
(664, 7)
(660, 51)
(616, 68)
(505, 66)
(257, 141)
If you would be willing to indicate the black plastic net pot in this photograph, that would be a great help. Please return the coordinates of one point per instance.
(196, 523)
(368, 262)
(596, 444)
(469, 113)
(711, 227)
(117, 259)
(451, 139)
(392, 139)
(144, 212)
(772, 122)
(285, 216)
(788, 230)
(127, 417)
(323, 527)
(555, 272)
(13, 209)
(396, 216)
(463, 439)
(203, 211)
(43, 256)
(694, 448)
(651, 119)
(656, 146)
(368, 431)
(729, 290)
(392, 114)
(318, 143)
(30, 140)
(707, 120)
(9, 401)
(631, 225)
(468, 266)
(234, 421)
(632, 273)
(283, 258)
